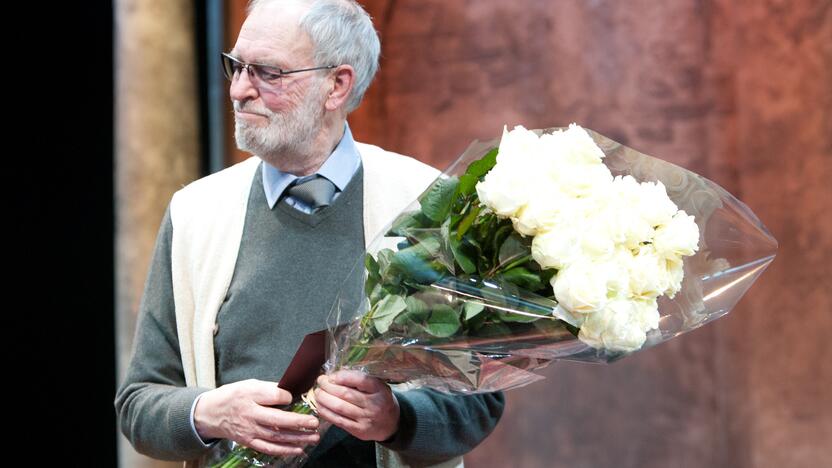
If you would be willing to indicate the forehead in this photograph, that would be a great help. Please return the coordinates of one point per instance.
(271, 35)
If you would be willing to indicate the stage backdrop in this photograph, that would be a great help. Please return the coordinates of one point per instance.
(739, 91)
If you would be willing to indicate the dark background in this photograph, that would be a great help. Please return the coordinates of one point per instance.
(60, 87)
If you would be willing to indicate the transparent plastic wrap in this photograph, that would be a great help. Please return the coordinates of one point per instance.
(462, 296)
(428, 319)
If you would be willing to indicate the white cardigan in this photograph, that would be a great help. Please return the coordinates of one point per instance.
(208, 216)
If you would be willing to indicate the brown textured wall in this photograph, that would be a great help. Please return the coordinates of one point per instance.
(156, 151)
(740, 91)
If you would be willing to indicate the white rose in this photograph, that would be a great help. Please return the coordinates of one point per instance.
(596, 241)
(517, 146)
(508, 186)
(653, 203)
(545, 208)
(504, 189)
(616, 327)
(558, 247)
(675, 274)
(647, 314)
(586, 287)
(679, 237)
(625, 224)
(581, 180)
(574, 145)
(648, 274)
(626, 228)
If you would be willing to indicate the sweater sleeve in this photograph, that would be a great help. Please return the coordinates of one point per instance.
(153, 405)
(436, 426)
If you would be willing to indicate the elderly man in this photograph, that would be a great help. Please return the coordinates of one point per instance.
(249, 260)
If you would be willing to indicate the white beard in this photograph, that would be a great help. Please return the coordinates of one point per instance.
(287, 133)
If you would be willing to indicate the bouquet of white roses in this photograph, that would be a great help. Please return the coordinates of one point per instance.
(544, 245)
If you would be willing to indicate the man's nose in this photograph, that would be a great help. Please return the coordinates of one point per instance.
(242, 88)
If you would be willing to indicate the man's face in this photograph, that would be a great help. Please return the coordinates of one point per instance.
(285, 119)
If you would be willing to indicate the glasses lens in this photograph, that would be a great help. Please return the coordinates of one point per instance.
(267, 75)
(263, 76)
(230, 66)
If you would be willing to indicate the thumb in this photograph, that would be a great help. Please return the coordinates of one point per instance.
(268, 393)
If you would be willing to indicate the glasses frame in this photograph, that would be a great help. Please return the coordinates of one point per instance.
(255, 69)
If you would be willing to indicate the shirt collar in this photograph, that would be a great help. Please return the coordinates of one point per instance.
(339, 168)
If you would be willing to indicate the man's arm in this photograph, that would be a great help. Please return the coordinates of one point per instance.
(435, 426)
(153, 405)
(425, 426)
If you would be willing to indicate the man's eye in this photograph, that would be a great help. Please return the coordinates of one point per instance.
(270, 75)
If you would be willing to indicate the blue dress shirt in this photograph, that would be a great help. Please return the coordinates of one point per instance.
(338, 168)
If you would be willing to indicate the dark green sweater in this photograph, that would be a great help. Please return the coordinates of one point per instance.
(289, 268)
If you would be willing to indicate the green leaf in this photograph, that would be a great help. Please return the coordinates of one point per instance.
(471, 246)
(467, 221)
(416, 306)
(415, 317)
(389, 289)
(376, 294)
(476, 322)
(513, 247)
(405, 222)
(417, 262)
(547, 275)
(524, 278)
(387, 310)
(464, 261)
(443, 321)
(372, 266)
(481, 166)
(383, 258)
(520, 318)
(472, 309)
(498, 236)
(467, 184)
(373, 275)
(428, 241)
(436, 203)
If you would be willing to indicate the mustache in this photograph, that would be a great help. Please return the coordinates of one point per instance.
(251, 109)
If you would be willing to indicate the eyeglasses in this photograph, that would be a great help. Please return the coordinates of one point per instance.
(265, 74)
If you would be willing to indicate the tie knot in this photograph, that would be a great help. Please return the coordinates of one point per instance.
(316, 191)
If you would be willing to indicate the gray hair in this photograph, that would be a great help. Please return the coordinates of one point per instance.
(342, 33)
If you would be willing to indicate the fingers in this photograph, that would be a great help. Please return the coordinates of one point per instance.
(286, 436)
(357, 380)
(267, 393)
(273, 448)
(350, 425)
(361, 405)
(356, 397)
(278, 419)
(337, 405)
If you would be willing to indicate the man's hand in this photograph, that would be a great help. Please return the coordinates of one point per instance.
(361, 405)
(241, 412)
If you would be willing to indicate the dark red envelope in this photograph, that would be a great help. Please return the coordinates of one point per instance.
(306, 366)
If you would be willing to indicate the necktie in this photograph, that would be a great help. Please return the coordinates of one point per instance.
(316, 192)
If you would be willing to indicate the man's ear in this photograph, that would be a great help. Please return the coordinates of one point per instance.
(344, 79)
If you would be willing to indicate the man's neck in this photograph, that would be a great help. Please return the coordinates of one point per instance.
(319, 150)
